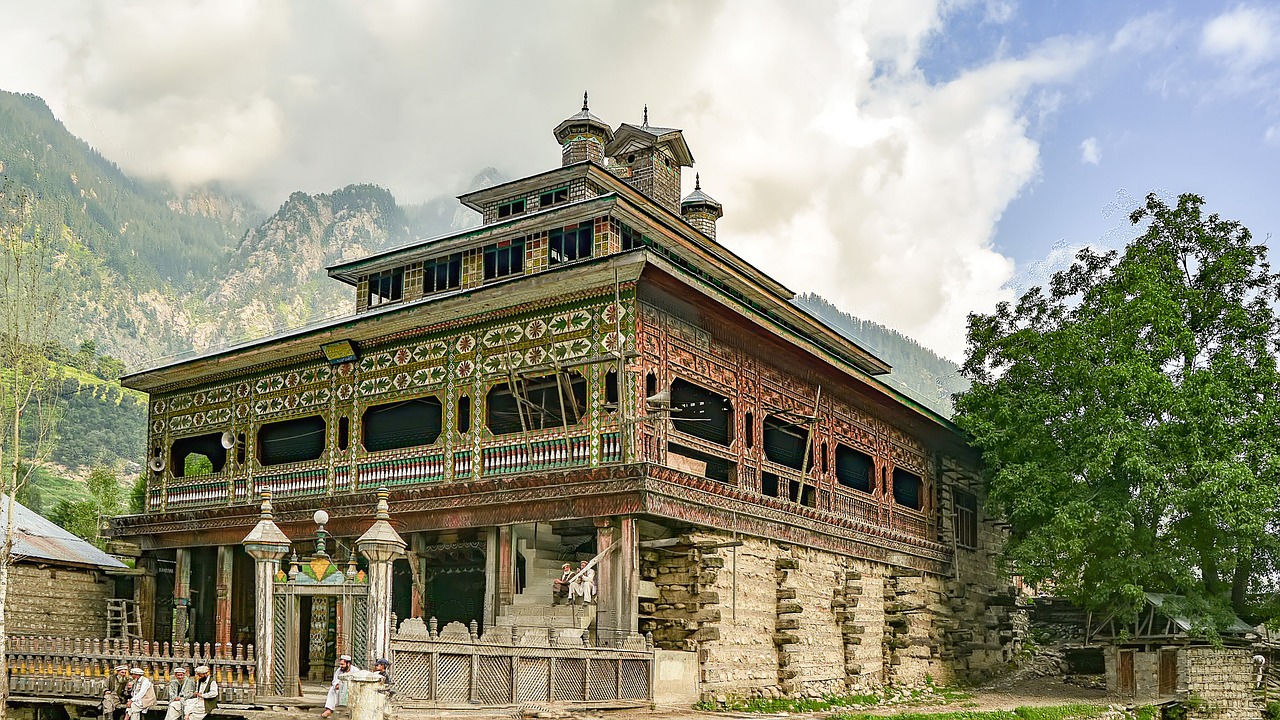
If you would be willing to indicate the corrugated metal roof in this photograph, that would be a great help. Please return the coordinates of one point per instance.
(1160, 601)
(36, 538)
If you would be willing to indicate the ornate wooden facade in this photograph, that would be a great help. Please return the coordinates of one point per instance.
(586, 358)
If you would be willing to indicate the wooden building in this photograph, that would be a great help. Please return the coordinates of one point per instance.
(59, 585)
(590, 374)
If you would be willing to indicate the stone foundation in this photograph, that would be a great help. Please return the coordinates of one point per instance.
(769, 619)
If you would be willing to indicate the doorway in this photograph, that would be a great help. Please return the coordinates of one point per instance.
(1168, 672)
(1124, 673)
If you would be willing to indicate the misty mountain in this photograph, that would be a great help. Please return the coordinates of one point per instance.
(918, 372)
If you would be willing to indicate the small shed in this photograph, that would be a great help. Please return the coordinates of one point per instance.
(1156, 658)
(58, 583)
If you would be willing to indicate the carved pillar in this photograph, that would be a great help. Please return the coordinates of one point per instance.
(222, 616)
(266, 544)
(380, 545)
(182, 596)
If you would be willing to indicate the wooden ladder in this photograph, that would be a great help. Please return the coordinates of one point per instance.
(122, 619)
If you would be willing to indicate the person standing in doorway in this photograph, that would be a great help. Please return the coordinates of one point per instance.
(336, 696)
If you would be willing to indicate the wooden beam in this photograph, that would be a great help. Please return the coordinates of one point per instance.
(222, 610)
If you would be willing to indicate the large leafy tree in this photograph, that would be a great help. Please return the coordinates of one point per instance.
(1127, 415)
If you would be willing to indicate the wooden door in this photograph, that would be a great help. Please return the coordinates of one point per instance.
(1124, 673)
(1168, 672)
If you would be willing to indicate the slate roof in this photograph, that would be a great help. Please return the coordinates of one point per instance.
(36, 538)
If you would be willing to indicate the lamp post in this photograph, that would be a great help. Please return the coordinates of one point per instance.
(380, 545)
(266, 544)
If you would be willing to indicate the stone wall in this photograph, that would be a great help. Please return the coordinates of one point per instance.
(59, 602)
(800, 621)
(1223, 678)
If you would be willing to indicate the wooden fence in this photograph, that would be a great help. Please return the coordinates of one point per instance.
(72, 667)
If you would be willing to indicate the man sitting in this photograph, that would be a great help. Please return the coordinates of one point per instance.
(336, 696)
(205, 698)
(181, 689)
(560, 586)
(113, 700)
(583, 584)
(142, 696)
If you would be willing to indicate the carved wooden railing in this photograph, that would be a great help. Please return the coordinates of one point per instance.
(458, 666)
(73, 667)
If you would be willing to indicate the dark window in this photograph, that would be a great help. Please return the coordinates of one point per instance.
(749, 429)
(240, 449)
(825, 469)
(700, 412)
(344, 432)
(440, 274)
(907, 489)
(785, 442)
(553, 197)
(769, 484)
(650, 385)
(386, 286)
(611, 388)
(290, 441)
(464, 415)
(854, 469)
(966, 519)
(547, 401)
(571, 243)
(407, 423)
(199, 455)
(717, 468)
(631, 239)
(503, 259)
(512, 207)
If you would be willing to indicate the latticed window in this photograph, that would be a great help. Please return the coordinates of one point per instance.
(908, 489)
(511, 207)
(966, 519)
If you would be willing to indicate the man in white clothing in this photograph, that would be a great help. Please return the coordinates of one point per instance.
(336, 695)
(206, 697)
(583, 584)
(143, 697)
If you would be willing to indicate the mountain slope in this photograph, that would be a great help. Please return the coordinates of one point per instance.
(917, 371)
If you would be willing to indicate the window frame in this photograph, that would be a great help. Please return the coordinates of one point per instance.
(451, 265)
(557, 196)
(966, 518)
(514, 252)
(393, 280)
(567, 244)
(510, 208)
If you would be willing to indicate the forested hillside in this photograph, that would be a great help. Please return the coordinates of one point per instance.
(917, 370)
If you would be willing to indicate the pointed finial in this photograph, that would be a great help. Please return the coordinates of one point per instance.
(584, 100)
(384, 510)
(697, 181)
(646, 116)
(265, 514)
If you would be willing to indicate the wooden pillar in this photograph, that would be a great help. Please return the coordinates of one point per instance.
(222, 610)
(607, 620)
(628, 566)
(144, 596)
(490, 576)
(506, 566)
(182, 596)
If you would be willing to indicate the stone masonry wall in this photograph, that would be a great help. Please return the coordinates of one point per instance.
(743, 658)
(58, 602)
(1222, 678)
(815, 662)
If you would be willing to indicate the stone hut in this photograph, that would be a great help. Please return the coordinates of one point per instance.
(58, 584)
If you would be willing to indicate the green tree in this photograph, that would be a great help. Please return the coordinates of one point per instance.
(1127, 417)
(84, 518)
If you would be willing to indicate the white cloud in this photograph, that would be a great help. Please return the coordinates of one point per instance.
(1090, 151)
(1000, 11)
(1148, 33)
(1244, 35)
(1272, 136)
(842, 169)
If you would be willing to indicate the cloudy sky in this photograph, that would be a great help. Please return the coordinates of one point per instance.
(912, 161)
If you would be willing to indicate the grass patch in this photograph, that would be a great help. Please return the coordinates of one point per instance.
(930, 695)
(1053, 712)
